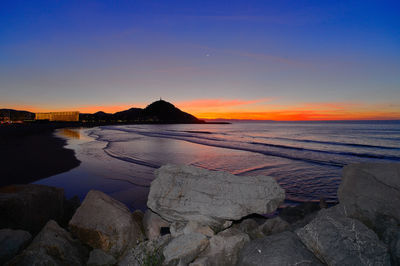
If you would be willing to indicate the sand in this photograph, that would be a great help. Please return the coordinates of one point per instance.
(32, 152)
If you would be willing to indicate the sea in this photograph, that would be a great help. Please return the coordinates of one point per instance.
(305, 158)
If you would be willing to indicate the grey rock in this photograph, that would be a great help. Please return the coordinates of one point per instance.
(273, 226)
(275, 250)
(370, 190)
(178, 229)
(146, 253)
(98, 257)
(52, 246)
(390, 235)
(339, 240)
(188, 193)
(223, 249)
(184, 249)
(152, 223)
(203, 261)
(250, 227)
(105, 223)
(30, 207)
(12, 242)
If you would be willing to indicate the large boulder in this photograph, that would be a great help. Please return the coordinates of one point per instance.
(279, 249)
(184, 249)
(105, 223)
(52, 246)
(30, 207)
(339, 240)
(224, 248)
(11, 242)
(188, 193)
(371, 190)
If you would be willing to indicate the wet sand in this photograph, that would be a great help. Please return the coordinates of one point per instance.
(30, 152)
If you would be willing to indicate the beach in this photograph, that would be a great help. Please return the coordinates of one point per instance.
(30, 152)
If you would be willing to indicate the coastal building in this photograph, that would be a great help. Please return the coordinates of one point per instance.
(72, 116)
(4, 119)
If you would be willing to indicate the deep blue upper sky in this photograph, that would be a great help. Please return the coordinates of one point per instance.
(82, 53)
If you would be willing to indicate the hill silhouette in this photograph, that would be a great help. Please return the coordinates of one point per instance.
(157, 112)
(16, 114)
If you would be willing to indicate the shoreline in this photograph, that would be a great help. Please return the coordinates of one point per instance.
(31, 152)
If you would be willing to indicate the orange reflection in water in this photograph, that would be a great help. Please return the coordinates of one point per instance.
(70, 133)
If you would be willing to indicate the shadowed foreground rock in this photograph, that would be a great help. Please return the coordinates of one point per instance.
(105, 223)
(276, 250)
(52, 246)
(188, 193)
(146, 253)
(30, 207)
(339, 240)
(371, 190)
(98, 257)
(11, 242)
(223, 249)
(184, 249)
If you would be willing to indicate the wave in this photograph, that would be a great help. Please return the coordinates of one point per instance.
(362, 155)
(358, 145)
(305, 155)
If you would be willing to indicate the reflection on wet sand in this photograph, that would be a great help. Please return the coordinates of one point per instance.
(70, 133)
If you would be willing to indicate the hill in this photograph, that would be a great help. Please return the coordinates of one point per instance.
(156, 112)
(16, 115)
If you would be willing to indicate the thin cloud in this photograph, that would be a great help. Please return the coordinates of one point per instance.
(213, 103)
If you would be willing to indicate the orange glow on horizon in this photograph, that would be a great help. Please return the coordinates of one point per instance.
(259, 109)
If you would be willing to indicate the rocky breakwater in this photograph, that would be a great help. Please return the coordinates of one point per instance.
(190, 222)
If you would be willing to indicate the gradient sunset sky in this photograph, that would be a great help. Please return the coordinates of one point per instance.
(281, 60)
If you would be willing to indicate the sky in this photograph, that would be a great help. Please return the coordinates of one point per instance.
(279, 60)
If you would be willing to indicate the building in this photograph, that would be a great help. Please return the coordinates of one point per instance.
(58, 116)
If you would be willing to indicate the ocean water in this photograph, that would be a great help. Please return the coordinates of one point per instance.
(306, 158)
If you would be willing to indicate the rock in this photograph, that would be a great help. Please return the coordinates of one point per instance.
(152, 224)
(188, 193)
(178, 229)
(223, 249)
(146, 253)
(338, 240)
(279, 249)
(390, 234)
(12, 242)
(137, 217)
(30, 207)
(105, 223)
(273, 226)
(99, 258)
(184, 249)
(370, 190)
(392, 239)
(203, 261)
(52, 246)
(250, 227)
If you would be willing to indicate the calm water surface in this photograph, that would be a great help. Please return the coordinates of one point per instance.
(305, 158)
